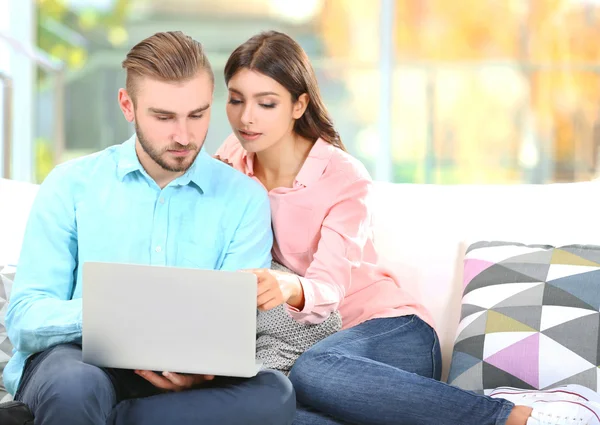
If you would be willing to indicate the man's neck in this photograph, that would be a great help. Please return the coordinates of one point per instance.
(161, 176)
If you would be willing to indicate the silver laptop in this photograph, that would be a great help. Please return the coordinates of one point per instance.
(169, 319)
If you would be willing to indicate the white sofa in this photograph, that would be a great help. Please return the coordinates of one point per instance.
(422, 231)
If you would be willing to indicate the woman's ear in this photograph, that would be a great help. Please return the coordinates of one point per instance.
(300, 106)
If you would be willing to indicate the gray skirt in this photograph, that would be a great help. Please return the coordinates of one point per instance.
(281, 339)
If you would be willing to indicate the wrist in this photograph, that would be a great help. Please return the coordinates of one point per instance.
(296, 299)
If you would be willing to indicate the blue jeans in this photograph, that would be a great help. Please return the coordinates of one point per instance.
(62, 390)
(385, 371)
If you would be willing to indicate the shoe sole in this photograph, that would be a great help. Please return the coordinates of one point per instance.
(574, 390)
(590, 406)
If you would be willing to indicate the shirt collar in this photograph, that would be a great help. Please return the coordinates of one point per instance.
(199, 173)
(128, 161)
(312, 169)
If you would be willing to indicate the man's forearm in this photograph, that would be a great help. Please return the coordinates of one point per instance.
(35, 323)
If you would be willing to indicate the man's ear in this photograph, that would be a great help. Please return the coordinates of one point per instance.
(300, 106)
(126, 104)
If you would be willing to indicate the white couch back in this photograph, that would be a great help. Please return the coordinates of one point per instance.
(422, 232)
(16, 199)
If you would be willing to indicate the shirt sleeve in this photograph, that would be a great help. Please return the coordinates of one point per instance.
(41, 313)
(344, 233)
(252, 241)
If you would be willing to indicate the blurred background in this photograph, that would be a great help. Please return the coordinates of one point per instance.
(422, 91)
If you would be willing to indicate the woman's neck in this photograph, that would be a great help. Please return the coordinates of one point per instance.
(280, 164)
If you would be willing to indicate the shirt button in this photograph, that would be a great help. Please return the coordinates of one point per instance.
(161, 200)
(158, 249)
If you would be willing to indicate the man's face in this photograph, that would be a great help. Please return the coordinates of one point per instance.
(171, 119)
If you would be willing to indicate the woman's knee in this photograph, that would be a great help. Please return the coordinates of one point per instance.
(314, 370)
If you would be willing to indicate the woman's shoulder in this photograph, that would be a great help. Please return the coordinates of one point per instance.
(341, 162)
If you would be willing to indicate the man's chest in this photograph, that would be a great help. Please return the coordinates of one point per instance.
(159, 230)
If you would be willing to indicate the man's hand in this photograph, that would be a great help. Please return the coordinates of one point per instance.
(276, 288)
(173, 381)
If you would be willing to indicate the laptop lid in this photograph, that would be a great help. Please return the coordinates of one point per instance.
(169, 319)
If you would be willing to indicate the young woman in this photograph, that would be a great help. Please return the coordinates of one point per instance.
(384, 366)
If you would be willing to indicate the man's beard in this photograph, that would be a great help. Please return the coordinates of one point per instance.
(157, 157)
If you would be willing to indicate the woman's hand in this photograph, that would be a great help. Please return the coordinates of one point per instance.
(226, 161)
(276, 288)
(174, 381)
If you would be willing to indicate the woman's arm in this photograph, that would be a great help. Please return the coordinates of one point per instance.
(344, 233)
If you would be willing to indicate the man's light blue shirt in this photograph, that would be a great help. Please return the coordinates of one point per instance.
(105, 207)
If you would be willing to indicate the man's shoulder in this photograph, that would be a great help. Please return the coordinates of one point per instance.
(87, 166)
(235, 181)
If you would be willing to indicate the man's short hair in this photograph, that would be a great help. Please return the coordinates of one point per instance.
(166, 56)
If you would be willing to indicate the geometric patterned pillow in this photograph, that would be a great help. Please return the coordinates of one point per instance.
(5, 345)
(530, 317)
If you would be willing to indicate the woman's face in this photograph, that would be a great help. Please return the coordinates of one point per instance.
(260, 110)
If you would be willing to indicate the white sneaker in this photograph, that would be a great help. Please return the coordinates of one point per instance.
(577, 393)
(564, 413)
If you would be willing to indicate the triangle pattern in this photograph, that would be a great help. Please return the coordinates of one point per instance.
(561, 256)
(554, 315)
(538, 272)
(558, 362)
(494, 378)
(530, 297)
(472, 267)
(590, 253)
(6, 346)
(472, 326)
(583, 286)
(559, 271)
(501, 340)
(490, 296)
(498, 275)
(498, 322)
(569, 336)
(472, 346)
(588, 379)
(462, 362)
(530, 315)
(471, 380)
(520, 360)
(538, 256)
(468, 309)
(598, 362)
(556, 296)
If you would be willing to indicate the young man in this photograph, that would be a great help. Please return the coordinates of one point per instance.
(155, 199)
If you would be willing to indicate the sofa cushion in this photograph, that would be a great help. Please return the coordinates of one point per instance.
(6, 277)
(530, 317)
